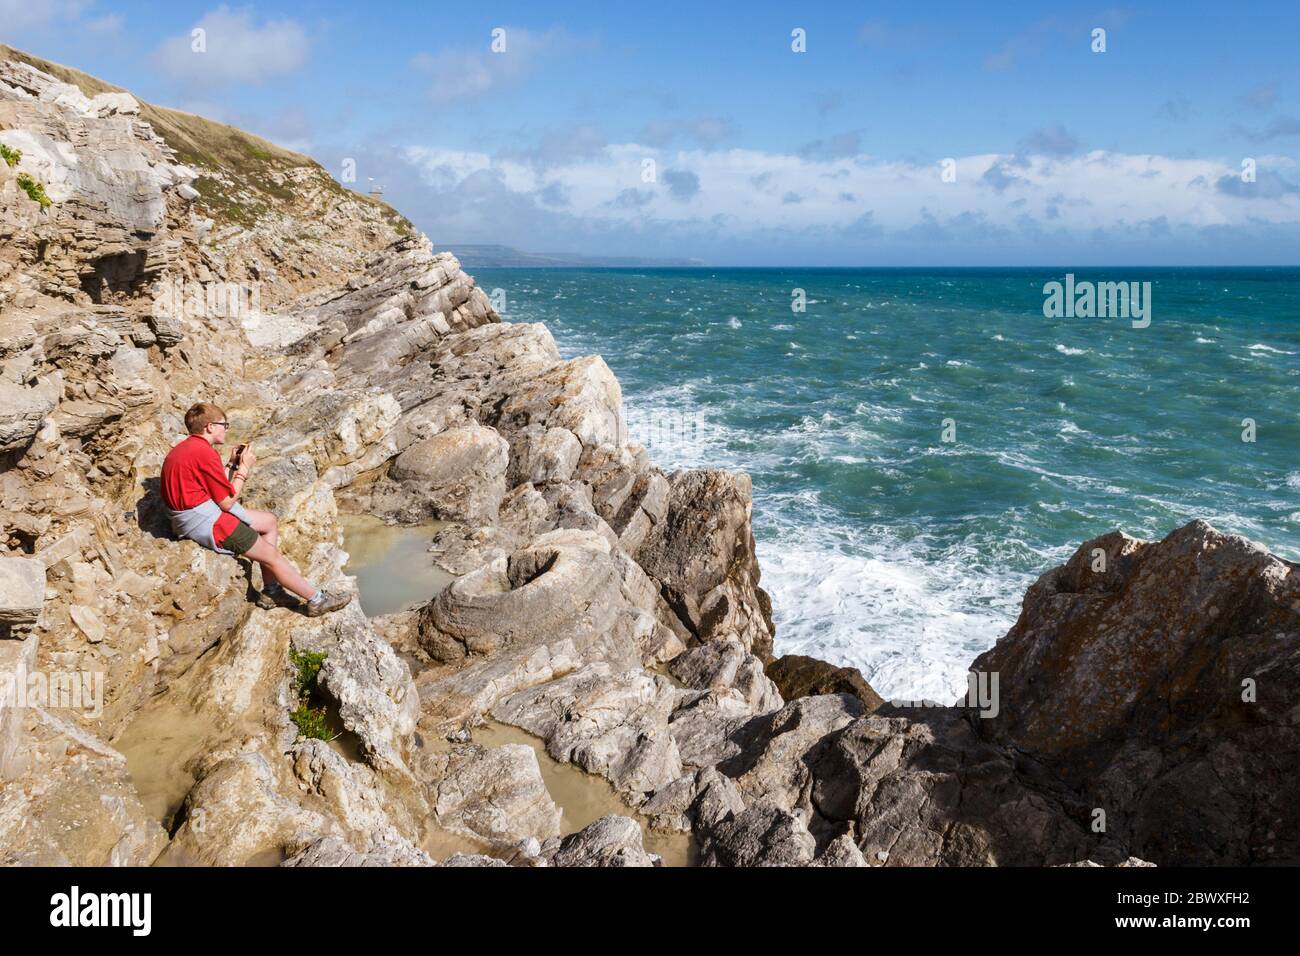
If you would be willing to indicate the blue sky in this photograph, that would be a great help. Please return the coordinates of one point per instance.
(761, 155)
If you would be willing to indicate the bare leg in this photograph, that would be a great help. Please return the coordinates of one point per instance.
(277, 567)
(266, 525)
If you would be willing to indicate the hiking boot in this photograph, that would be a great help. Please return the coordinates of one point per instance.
(329, 601)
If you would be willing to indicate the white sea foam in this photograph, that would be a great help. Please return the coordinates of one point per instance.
(911, 621)
(1066, 350)
(877, 412)
(1017, 459)
(912, 624)
(733, 322)
(1259, 347)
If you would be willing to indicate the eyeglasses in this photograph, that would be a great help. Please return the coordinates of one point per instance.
(222, 424)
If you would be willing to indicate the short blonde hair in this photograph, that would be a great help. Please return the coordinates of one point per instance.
(202, 415)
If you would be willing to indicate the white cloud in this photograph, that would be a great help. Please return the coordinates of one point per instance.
(749, 191)
(238, 50)
(469, 73)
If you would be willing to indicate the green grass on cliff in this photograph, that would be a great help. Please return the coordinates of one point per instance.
(227, 206)
(10, 156)
(312, 721)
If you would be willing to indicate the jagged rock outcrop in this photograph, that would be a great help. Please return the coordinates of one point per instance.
(410, 296)
(1161, 679)
(360, 392)
(565, 586)
(22, 590)
(763, 834)
(458, 474)
(703, 555)
(250, 211)
(494, 794)
(107, 233)
(609, 841)
(919, 789)
(722, 664)
(23, 409)
(796, 675)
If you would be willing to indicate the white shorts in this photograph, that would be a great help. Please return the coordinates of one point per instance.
(197, 523)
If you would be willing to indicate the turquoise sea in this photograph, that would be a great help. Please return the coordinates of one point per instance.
(883, 545)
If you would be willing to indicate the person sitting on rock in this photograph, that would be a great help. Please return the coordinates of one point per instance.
(201, 504)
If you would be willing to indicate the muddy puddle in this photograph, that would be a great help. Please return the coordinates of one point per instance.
(166, 735)
(582, 797)
(161, 742)
(157, 745)
(392, 564)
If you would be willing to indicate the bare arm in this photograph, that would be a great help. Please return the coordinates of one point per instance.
(237, 482)
(243, 464)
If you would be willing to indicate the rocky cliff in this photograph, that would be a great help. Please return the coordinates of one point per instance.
(603, 609)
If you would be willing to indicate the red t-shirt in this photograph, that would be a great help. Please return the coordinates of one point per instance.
(191, 474)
